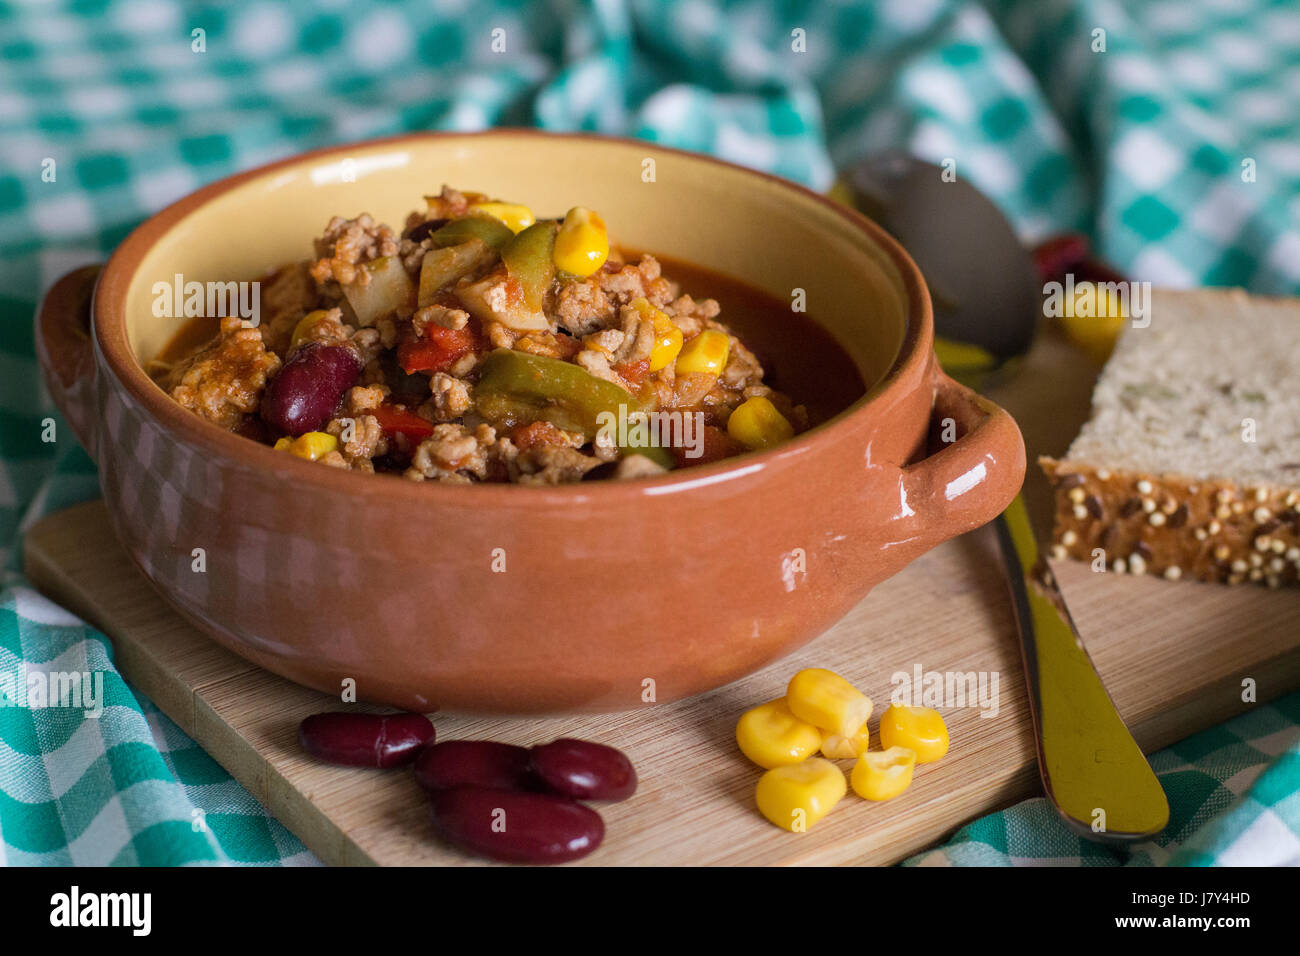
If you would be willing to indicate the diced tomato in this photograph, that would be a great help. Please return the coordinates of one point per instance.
(567, 346)
(394, 420)
(717, 445)
(437, 350)
(633, 372)
(537, 433)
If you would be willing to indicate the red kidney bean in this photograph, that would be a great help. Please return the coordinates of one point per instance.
(474, 763)
(365, 740)
(516, 827)
(303, 396)
(582, 769)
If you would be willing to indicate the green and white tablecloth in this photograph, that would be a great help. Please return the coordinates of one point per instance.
(1168, 130)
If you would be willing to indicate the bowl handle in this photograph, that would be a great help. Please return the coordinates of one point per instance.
(65, 350)
(973, 478)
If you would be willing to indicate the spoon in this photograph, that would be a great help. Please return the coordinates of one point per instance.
(986, 289)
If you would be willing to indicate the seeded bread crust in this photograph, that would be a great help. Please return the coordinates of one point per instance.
(1189, 465)
(1176, 527)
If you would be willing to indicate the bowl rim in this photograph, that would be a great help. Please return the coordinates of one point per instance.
(109, 303)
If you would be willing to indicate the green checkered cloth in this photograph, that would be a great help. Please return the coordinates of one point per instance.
(1166, 130)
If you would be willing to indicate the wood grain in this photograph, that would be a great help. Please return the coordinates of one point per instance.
(1172, 655)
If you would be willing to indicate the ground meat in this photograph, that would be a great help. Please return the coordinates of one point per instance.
(536, 434)
(224, 381)
(606, 341)
(449, 398)
(581, 307)
(328, 327)
(638, 337)
(368, 343)
(742, 368)
(361, 399)
(438, 315)
(360, 437)
(548, 344)
(690, 316)
(597, 363)
(500, 337)
(551, 465)
(633, 281)
(349, 243)
(456, 454)
(388, 331)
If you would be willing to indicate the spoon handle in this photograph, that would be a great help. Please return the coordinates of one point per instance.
(1092, 769)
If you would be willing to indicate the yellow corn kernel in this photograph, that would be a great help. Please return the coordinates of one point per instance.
(771, 736)
(797, 796)
(313, 445)
(707, 352)
(917, 728)
(757, 424)
(582, 244)
(283, 444)
(1093, 319)
(883, 774)
(304, 327)
(514, 215)
(668, 337)
(840, 747)
(825, 699)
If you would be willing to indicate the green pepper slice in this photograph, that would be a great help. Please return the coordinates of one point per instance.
(660, 456)
(517, 388)
(494, 232)
(529, 258)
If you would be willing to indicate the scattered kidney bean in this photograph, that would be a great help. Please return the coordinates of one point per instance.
(584, 770)
(474, 763)
(365, 740)
(516, 827)
(303, 396)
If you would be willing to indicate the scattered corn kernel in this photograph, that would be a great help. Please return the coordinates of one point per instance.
(771, 736)
(668, 337)
(283, 444)
(825, 699)
(707, 352)
(840, 747)
(883, 774)
(304, 327)
(797, 796)
(312, 445)
(517, 217)
(757, 424)
(582, 244)
(920, 729)
(1093, 319)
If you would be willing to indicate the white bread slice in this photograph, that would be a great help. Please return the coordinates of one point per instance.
(1190, 463)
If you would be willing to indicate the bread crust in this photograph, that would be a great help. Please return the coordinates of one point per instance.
(1174, 526)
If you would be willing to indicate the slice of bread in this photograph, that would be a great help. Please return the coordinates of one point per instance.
(1190, 463)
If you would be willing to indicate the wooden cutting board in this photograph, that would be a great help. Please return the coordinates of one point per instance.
(1173, 656)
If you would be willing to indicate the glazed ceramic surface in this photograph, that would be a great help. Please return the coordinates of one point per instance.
(599, 596)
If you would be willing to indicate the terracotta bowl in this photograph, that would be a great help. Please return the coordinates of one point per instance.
(613, 593)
